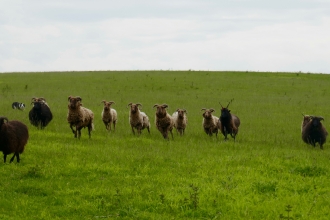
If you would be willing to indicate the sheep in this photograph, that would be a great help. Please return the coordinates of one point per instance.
(40, 115)
(137, 119)
(314, 132)
(211, 123)
(79, 116)
(13, 138)
(180, 120)
(164, 121)
(109, 115)
(229, 122)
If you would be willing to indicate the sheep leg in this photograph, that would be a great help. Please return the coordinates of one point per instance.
(4, 158)
(133, 130)
(17, 157)
(171, 134)
(114, 126)
(73, 131)
(148, 130)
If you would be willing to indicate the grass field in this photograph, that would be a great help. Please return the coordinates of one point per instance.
(269, 173)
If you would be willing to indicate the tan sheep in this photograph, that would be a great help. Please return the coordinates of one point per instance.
(79, 116)
(180, 120)
(211, 123)
(137, 119)
(109, 115)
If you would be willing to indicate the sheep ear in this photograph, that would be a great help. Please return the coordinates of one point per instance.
(177, 109)
(185, 111)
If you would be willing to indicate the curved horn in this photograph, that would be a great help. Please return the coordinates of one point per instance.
(79, 98)
(155, 105)
(69, 97)
(203, 109)
(212, 110)
(165, 105)
(112, 102)
(185, 111)
(103, 101)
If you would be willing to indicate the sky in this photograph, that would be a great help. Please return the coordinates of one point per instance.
(215, 35)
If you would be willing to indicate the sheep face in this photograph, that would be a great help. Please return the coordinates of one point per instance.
(134, 107)
(181, 113)
(225, 114)
(107, 105)
(161, 110)
(74, 102)
(208, 113)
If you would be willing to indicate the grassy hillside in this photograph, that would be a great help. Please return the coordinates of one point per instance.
(118, 175)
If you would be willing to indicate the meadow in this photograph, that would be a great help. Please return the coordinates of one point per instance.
(268, 173)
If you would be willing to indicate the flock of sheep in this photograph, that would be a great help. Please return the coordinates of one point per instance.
(14, 134)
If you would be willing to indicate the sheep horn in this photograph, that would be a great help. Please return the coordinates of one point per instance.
(42, 98)
(4, 119)
(185, 111)
(129, 104)
(78, 98)
(103, 101)
(165, 106)
(229, 103)
(212, 110)
(156, 105)
(203, 109)
(112, 102)
(221, 105)
(69, 98)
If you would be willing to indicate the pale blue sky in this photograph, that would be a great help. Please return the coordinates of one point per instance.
(240, 35)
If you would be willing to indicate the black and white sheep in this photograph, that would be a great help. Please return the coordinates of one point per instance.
(13, 138)
(164, 121)
(180, 120)
(109, 115)
(314, 132)
(137, 119)
(229, 122)
(40, 115)
(79, 116)
(211, 123)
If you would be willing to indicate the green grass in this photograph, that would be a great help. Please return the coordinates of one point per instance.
(117, 175)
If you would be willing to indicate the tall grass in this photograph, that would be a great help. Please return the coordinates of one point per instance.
(269, 173)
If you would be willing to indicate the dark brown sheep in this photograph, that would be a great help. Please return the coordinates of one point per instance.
(229, 122)
(164, 121)
(79, 116)
(314, 132)
(13, 138)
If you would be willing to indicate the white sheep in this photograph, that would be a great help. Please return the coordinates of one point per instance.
(180, 120)
(79, 116)
(109, 115)
(137, 119)
(164, 121)
(211, 123)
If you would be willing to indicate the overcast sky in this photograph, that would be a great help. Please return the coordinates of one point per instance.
(239, 35)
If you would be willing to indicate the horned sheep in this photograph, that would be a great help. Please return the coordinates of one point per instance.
(164, 121)
(40, 115)
(180, 120)
(229, 122)
(109, 115)
(13, 138)
(313, 131)
(79, 116)
(137, 119)
(211, 123)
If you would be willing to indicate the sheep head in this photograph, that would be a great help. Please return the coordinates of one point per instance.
(316, 121)
(207, 113)
(134, 107)
(107, 105)
(225, 112)
(74, 102)
(2, 120)
(161, 110)
(181, 112)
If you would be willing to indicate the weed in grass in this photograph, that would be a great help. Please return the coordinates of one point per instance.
(288, 210)
(194, 196)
